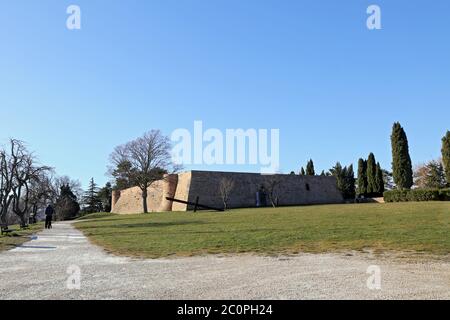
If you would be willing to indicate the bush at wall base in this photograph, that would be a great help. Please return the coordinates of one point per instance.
(417, 195)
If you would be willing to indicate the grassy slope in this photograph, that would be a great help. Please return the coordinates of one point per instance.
(398, 226)
(19, 236)
(97, 215)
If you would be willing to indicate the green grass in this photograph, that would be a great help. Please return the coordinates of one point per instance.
(97, 215)
(18, 237)
(423, 227)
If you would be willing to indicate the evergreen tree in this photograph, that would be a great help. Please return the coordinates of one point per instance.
(379, 180)
(362, 177)
(322, 173)
(91, 198)
(430, 175)
(122, 175)
(349, 189)
(67, 206)
(401, 160)
(436, 175)
(337, 172)
(345, 178)
(310, 168)
(105, 196)
(371, 175)
(446, 155)
(302, 172)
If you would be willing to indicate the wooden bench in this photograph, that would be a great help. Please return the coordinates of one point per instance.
(5, 229)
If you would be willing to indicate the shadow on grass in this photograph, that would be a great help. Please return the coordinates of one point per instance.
(146, 225)
(117, 219)
(14, 240)
(227, 233)
(78, 222)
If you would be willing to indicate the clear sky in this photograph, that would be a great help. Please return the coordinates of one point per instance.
(309, 68)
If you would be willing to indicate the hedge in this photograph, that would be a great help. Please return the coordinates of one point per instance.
(417, 195)
(445, 194)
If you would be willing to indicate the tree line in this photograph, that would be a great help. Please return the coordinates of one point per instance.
(146, 159)
(372, 180)
(434, 174)
(27, 187)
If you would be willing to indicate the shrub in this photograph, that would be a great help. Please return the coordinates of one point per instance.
(444, 194)
(423, 195)
(395, 196)
(416, 195)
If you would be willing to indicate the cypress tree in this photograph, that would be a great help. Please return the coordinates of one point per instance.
(362, 177)
(337, 171)
(310, 168)
(371, 174)
(345, 178)
(401, 160)
(446, 155)
(350, 190)
(379, 181)
(302, 172)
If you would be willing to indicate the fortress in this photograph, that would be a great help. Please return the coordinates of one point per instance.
(187, 186)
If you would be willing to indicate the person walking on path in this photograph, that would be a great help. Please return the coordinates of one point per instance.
(49, 216)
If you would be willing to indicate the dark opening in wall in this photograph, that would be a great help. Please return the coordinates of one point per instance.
(307, 187)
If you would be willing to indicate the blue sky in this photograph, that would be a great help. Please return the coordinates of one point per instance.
(309, 68)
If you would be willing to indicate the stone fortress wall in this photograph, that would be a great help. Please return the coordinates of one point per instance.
(187, 186)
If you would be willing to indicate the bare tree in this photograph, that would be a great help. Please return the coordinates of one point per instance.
(25, 185)
(143, 161)
(6, 183)
(74, 185)
(24, 173)
(272, 185)
(10, 162)
(18, 172)
(21, 191)
(41, 191)
(226, 186)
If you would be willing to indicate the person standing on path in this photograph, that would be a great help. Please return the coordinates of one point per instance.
(49, 216)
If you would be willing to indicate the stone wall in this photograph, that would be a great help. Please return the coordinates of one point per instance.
(187, 186)
(182, 191)
(129, 201)
(292, 189)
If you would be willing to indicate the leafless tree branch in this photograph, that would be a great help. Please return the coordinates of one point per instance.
(143, 161)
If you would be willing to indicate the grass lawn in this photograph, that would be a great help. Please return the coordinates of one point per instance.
(19, 236)
(423, 226)
(96, 215)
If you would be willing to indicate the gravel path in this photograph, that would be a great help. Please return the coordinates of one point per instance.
(39, 270)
